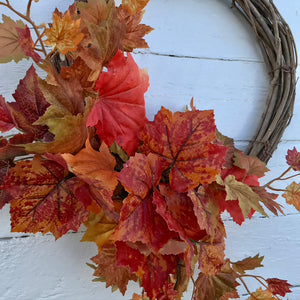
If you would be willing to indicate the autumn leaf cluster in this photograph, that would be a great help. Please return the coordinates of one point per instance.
(150, 193)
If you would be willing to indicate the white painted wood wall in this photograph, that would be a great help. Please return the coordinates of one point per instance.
(201, 49)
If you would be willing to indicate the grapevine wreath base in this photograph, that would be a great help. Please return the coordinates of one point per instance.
(150, 193)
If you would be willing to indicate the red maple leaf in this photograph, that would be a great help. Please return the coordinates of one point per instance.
(139, 221)
(6, 121)
(278, 287)
(27, 44)
(185, 141)
(177, 211)
(43, 198)
(10, 148)
(213, 191)
(293, 159)
(153, 270)
(30, 105)
(119, 114)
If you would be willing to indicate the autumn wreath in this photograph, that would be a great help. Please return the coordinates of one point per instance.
(150, 193)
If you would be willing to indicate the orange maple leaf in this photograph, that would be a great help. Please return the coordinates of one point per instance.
(107, 267)
(261, 294)
(64, 35)
(186, 142)
(134, 30)
(214, 286)
(292, 195)
(99, 229)
(135, 6)
(96, 168)
(44, 198)
(103, 33)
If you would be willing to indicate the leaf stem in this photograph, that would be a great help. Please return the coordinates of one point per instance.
(246, 287)
(28, 8)
(260, 279)
(276, 190)
(289, 177)
(278, 178)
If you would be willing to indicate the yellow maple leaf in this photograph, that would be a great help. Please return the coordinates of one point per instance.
(135, 6)
(261, 294)
(99, 229)
(292, 195)
(64, 34)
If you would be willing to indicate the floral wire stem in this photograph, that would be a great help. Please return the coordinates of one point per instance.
(246, 287)
(28, 8)
(267, 185)
(29, 20)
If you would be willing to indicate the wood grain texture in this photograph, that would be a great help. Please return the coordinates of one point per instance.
(200, 49)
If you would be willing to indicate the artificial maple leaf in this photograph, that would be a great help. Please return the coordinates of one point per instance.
(168, 292)
(206, 210)
(27, 44)
(229, 143)
(70, 135)
(67, 96)
(278, 287)
(103, 33)
(185, 141)
(64, 34)
(107, 267)
(116, 149)
(153, 270)
(211, 252)
(215, 193)
(6, 121)
(5, 165)
(232, 206)
(9, 40)
(247, 198)
(139, 222)
(213, 286)
(80, 71)
(119, 113)
(251, 164)
(11, 148)
(268, 200)
(43, 198)
(293, 159)
(99, 229)
(29, 106)
(249, 263)
(96, 168)
(65, 117)
(135, 6)
(134, 31)
(177, 211)
(292, 195)
(261, 294)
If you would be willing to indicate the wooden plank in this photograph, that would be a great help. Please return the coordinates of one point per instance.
(59, 267)
(235, 90)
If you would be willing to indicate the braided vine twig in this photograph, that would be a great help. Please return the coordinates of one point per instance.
(279, 51)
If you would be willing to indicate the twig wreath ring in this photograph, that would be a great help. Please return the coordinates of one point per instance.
(150, 193)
